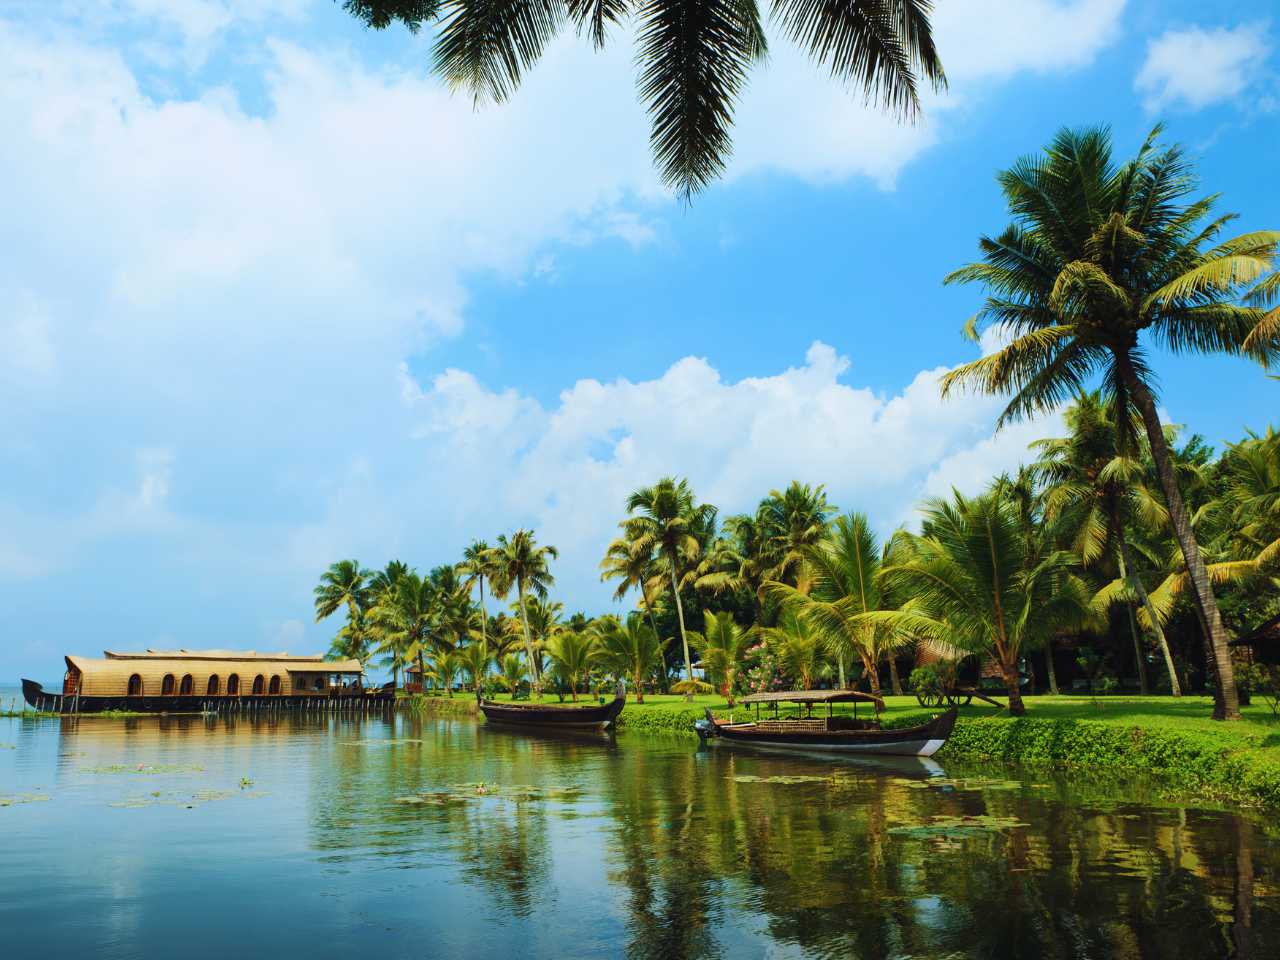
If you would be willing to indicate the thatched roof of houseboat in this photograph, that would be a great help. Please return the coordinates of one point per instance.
(812, 696)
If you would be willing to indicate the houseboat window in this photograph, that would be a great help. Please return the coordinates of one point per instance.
(275, 686)
(212, 689)
(188, 686)
(135, 686)
(166, 685)
(257, 685)
(233, 685)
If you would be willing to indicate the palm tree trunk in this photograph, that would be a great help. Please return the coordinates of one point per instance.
(1009, 672)
(484, 620)
(675, 587)
(840, 661)
(893, 676)
(524, 622)
(1048, 661)
(873, 675)
(1133, 621)
(1229, 707)
(1151, 615)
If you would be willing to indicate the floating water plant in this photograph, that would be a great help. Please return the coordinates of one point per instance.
(797, 779)
(482, 790)
(116, 769)
(972, 783)
(9, 799)
(945, 829)
(189, 800)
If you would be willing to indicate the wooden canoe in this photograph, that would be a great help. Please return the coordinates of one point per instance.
(557, 717)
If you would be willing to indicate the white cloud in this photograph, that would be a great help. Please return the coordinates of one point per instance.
(1194, 67)
(568, 469)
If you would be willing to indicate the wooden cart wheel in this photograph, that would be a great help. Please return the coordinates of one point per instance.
(959, 699)
(929, 698)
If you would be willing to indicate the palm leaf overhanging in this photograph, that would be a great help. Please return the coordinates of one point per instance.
(694, 56)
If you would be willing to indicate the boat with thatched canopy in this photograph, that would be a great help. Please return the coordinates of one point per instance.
(827, 732)
(190, 681)
(561, 717)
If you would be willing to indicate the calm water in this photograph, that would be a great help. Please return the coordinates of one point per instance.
(303, 836)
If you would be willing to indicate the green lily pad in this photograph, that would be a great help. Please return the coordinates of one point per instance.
(750, 779)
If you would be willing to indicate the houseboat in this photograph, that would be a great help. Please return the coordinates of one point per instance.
(192, 681)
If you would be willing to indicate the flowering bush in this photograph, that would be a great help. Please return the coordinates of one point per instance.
(762, 670)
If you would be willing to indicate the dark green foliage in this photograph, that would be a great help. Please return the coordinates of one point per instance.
(1186, 761)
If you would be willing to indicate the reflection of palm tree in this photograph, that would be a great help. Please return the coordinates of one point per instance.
(1097, 255)
(520, 563)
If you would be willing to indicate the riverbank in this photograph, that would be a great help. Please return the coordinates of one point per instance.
(1172, 741)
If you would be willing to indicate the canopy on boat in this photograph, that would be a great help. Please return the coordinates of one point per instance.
(812, 696)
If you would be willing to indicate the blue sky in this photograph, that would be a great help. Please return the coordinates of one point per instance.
(270, 297)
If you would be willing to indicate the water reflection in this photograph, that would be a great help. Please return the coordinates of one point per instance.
(589, 845)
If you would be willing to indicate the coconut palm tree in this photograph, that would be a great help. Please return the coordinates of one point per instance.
(385, 579)
(694, 57)
(844, 572)
(519, 563)
(408, 617)
(629, 649)
(345, 583)
(476, 566)
(1101, 263)
(1099, 486)
(721, 646)
(798, 645)
(972, 588)
(621, 562)
(445, 667)
(572, 653)
(515, 671)
(658, 522)
(475, 660)
(791, 520)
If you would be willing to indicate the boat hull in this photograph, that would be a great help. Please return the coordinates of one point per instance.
(553, 718)
(922, 741)
(37, 697)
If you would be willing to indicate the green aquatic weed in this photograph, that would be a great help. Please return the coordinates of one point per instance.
(945, 828)
(9, 799)
(746, 778)
(116, 769)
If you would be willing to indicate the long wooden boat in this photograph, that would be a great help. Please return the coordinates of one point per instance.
(558, 717)
(193, 681)
(829, 733)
